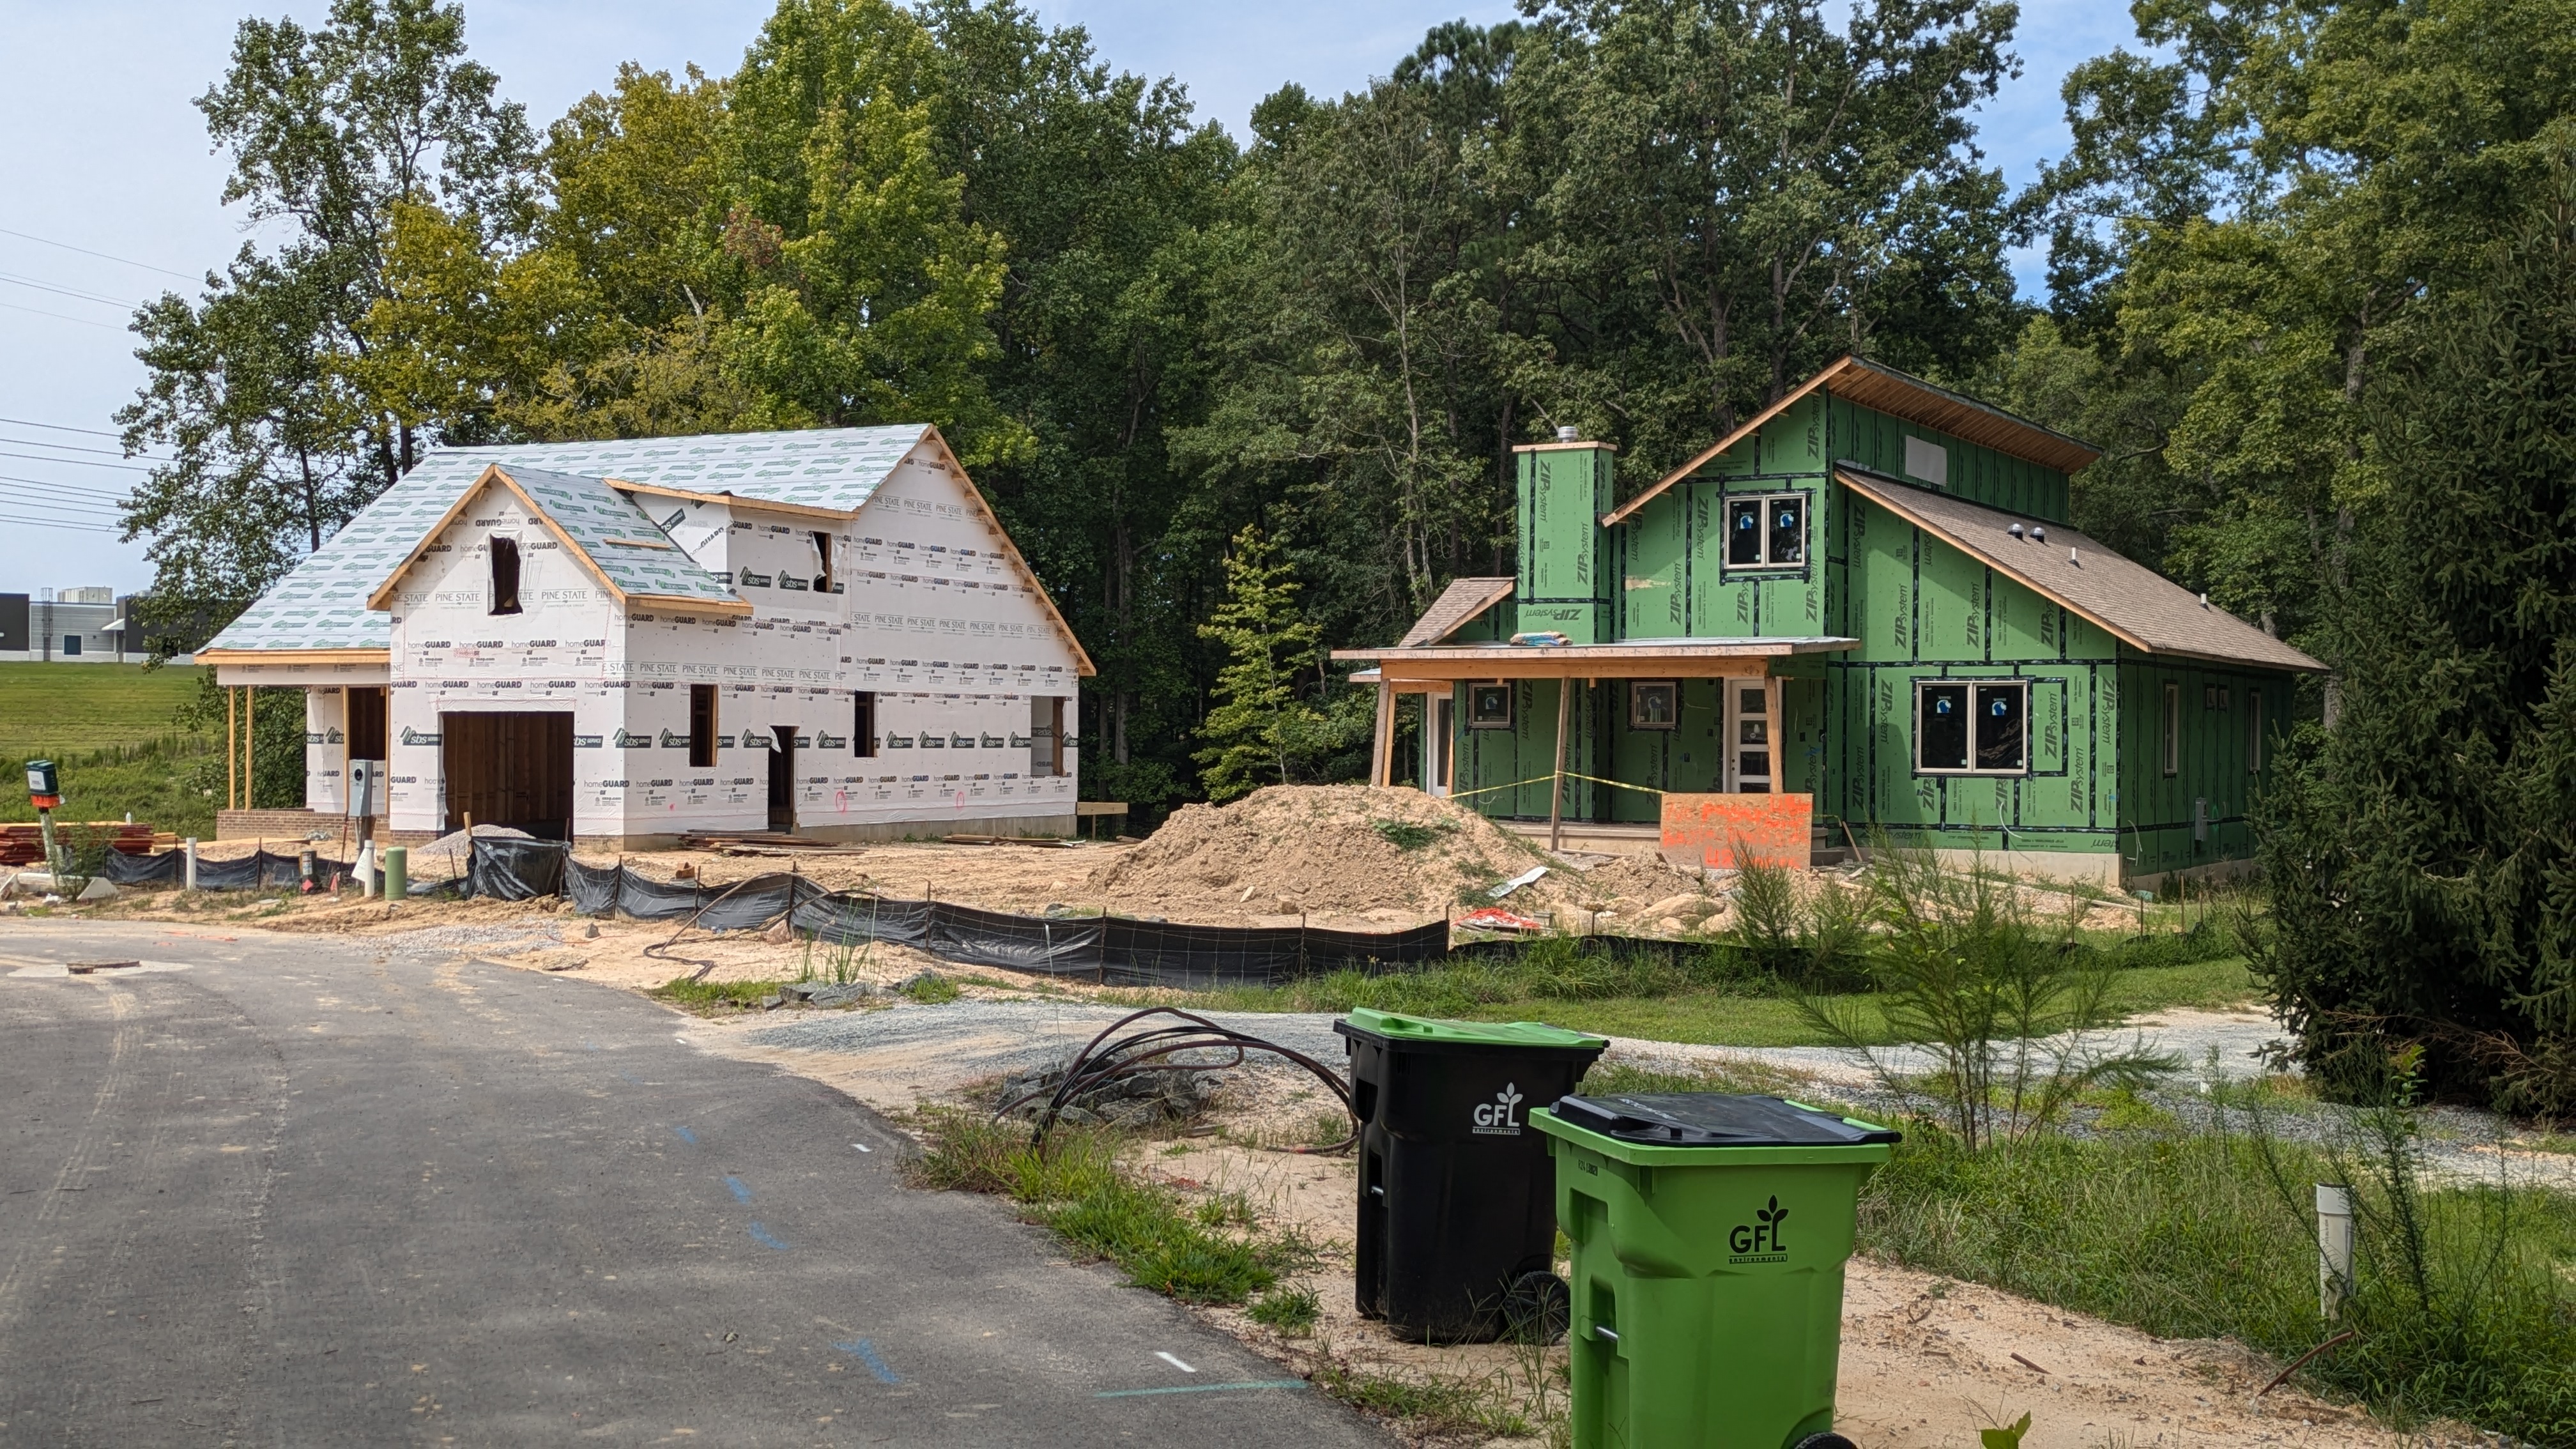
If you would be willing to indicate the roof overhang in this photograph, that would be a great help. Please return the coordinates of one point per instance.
(294, 656)
(1633, 659)
(1898, 395)
(731, 500)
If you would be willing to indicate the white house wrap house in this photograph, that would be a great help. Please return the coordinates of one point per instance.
(826, 632)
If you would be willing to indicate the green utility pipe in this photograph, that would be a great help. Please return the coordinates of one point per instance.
(397, 875)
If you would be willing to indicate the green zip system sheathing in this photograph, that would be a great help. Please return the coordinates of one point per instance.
(1562, 585)
(1922, 609)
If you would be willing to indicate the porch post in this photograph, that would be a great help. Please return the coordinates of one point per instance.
(1772, 731)
(250, 741)
(1382, 739)
(1556, 783)
(232, 750)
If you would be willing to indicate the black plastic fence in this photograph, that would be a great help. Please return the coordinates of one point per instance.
(260, 870)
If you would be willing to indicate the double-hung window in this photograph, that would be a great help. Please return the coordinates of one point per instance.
(1972, 727)
(1767, 532)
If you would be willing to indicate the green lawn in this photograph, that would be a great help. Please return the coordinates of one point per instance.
(77, 709)
(1714, 1017)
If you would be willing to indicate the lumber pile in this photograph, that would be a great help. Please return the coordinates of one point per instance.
(25, 844)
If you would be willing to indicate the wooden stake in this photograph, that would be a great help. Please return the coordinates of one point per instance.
(1556, 783)
(1382, 739)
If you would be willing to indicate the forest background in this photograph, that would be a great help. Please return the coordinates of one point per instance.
(2309, 288)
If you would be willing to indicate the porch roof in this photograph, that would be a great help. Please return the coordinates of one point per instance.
(1627, 659)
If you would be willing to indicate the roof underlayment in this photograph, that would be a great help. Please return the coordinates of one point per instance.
(323, 603)
(2138, 605)
(630, 550)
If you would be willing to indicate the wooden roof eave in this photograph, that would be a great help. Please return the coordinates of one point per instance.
(293, 656)
(1747, 658)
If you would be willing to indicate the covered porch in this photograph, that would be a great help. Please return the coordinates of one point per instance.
(1626, 736)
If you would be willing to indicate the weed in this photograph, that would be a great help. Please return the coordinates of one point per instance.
(1404, 836)
(713, 998)
(931, 989)
(1433, 1406)
(1290, 1309)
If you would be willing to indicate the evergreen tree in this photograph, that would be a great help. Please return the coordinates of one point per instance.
(2423, 852)
(1262, 733)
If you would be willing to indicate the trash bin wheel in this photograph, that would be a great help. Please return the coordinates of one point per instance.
(1536, 1308)
(1826, 1440)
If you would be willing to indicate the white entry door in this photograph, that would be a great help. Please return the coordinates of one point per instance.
(1748, 736)
(1439, 719)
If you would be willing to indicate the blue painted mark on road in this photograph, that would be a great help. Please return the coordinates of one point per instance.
(766, 1238)
(866, 1353)
(740, 1192)
(686, 1135)
(630, 1076)
(1203, 1388)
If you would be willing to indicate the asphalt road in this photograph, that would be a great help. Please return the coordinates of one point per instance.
(294, 1191)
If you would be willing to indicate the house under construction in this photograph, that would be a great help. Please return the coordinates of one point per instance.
(825, 632)
(1862, 609)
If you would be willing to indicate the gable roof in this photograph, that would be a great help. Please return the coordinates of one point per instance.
(2141, 607)
(1463, 600)
(322, 603)
(615, 540)
(1899, 395)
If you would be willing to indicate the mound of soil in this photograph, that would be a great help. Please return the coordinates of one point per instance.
(1349, 850)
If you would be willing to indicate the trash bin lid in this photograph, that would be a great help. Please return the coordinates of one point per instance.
(1439, 1031)
(1712, 1119)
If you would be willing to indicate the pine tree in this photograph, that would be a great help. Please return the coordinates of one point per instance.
(2422, 853)
(1261, 728)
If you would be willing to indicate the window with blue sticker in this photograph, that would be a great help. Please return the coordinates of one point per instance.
(1972, 727)
(1766, 532)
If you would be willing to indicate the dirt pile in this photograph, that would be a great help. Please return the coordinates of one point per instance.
(1354, 850)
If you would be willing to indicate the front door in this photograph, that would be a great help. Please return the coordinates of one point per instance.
(1440, 717)
(1748, 736)
(782, 779)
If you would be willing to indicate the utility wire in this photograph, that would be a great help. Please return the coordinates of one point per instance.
(62, 316)
(77, 448)
(76, 505)
(75, 488)
(102, 256)
(59, 290)
(65, 527)
(77, 462)
(59, 427)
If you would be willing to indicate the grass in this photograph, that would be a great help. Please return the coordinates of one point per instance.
(77, 709)
(1652, 1003)
(714, 998)
(1288, 1309)
(159, 781)
(2208, 1234)
(1205, 1251)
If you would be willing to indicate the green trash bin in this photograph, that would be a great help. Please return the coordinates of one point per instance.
(1709, 1239)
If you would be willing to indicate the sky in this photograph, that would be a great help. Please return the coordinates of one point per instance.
(109, 193)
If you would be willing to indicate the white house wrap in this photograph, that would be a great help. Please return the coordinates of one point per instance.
(621, 642)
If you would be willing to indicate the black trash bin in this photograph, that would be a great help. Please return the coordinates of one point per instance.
(1457, 1209)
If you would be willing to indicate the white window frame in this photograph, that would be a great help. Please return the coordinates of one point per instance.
(1975, 688)
(1762, 518)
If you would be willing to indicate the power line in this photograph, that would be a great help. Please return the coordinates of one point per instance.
(102, 256)
(13, 279)
(59, 427)
(65, 527)
(79, 505)
(77, 488)
(75, 462)
(77, 448)
(62, 317)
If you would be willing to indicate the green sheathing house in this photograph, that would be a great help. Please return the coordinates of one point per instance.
(2136, 761)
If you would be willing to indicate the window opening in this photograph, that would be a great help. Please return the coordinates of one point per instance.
(1972, 727)
(863, 726)
(1489, 706)
(1654, 704)
(2173, 729)
(702, 725)
(505, 575)
(1766, 532)
(822, 562)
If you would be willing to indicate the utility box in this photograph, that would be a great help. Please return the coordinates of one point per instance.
(366, 788)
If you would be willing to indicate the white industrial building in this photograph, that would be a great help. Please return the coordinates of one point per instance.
(621, 642)
(68, 626)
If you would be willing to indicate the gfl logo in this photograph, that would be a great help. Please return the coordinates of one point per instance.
(1496, 1116)
(1762, 1235)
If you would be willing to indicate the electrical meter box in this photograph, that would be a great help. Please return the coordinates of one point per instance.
(41, 779)
(366, 788)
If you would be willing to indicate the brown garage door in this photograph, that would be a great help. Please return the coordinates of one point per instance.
(509, 769)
